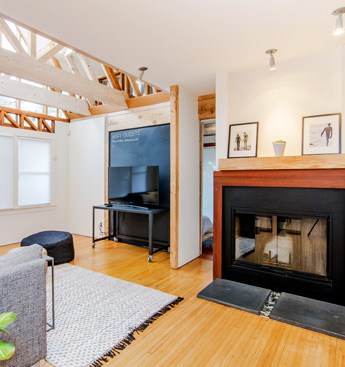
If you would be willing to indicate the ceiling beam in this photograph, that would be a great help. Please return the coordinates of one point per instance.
(72, 64)
(87, 67)
(148, 100)
(11, 37)
(75, 70)
(14, 89)
(32, 43)
(109, 72)
(48, 51)
(134, 85)
(27, 68)
(56, 63)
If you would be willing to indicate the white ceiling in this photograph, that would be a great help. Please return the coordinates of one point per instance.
(184, 41)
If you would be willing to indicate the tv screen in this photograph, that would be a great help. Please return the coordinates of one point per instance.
(135, 185)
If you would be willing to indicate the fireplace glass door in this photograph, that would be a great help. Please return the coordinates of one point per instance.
(297, 243)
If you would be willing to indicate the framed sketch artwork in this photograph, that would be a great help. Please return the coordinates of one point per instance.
(321, 134)
(243, 140)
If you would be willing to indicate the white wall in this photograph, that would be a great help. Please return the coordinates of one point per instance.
(222, 114)
(278, 100)
(18, 223)
(86, 173)
(189, 187)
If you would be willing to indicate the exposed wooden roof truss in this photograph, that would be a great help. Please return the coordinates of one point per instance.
(39, 70)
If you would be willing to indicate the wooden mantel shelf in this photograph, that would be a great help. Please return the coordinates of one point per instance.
(325, 161)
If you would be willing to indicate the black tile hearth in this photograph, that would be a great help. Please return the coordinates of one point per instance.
(311, 314)
(238, 295)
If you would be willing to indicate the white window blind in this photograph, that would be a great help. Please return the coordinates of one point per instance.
(6, 172)
(34, 186)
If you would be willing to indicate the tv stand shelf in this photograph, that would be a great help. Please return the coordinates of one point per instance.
(113, 231)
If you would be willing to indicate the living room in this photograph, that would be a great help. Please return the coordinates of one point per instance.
(134, 265)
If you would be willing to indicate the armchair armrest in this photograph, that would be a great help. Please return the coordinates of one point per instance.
(23, 291)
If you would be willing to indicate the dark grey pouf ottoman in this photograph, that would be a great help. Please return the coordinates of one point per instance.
(58, 244)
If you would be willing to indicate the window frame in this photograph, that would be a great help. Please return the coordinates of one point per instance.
(18, 135)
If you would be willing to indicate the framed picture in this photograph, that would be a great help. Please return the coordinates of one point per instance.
(321, 134)
(243, 140)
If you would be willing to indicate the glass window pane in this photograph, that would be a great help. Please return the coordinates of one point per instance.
(52, 111)
(34, 189)
(32, 83)
(34, 156)
(7, 102)
(6, 172)
(31, 107)
(285, 242)
(61, 114)
(34, 172)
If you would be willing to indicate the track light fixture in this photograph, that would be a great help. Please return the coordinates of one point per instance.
(339, 25)
(141, 74)
(272, 61)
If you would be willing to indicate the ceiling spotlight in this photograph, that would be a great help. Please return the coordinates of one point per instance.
(272, 62)
(141, 74)
(339, 25)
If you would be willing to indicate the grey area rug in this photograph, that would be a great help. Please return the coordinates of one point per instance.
(96, 315)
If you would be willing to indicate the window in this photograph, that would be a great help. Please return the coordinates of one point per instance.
(31, 107)
(6, 172)
(7, 102)
(34, 178)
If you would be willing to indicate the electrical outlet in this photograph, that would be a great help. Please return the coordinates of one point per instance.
(100, 226)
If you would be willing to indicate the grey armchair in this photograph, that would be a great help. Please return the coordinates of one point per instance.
(23, 291)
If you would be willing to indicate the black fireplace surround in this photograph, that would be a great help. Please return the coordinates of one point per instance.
(251, 213)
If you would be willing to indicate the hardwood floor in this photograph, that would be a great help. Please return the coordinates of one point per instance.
(197, 332)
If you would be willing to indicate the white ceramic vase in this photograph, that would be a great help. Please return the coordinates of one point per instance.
(279, 149)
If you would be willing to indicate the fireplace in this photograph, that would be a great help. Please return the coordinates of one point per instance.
(276, 233)
(298, 243)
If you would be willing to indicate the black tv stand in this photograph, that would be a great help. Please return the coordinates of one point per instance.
(121, 202)
(113, 229)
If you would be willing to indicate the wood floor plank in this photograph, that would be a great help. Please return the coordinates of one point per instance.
(198, 332)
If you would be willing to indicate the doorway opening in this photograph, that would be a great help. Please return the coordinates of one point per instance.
(207, 167)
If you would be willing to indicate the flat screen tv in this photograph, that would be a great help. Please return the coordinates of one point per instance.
(137, 185)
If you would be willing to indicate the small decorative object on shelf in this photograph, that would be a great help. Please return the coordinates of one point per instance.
(279, 147)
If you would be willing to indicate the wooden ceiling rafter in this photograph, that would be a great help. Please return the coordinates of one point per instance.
(26, 92)
(45, 74)
(32, 45)
(11, 37)
(87, 67)
(48, 51)
(112, 78)
(135, 86)
(97, 98)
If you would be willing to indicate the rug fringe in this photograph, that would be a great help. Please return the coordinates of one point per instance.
(130, 337)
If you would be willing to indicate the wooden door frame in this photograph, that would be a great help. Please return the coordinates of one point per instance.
(174, 175)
